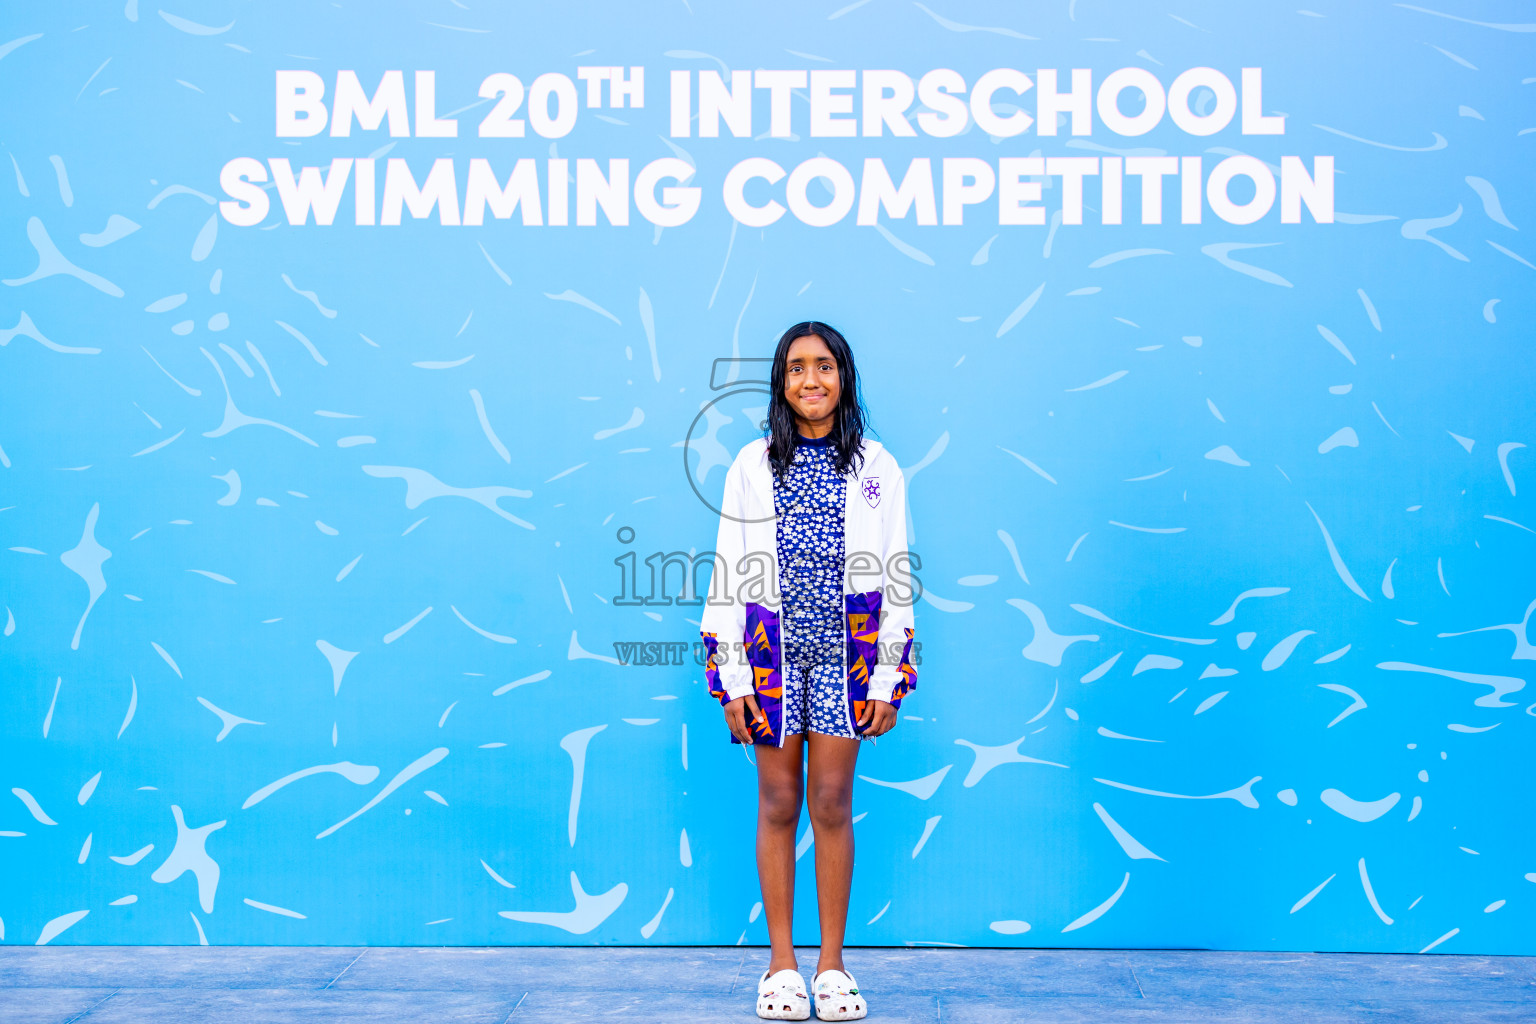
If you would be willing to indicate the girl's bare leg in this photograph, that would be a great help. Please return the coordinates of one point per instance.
(779, 790)
(829, 797)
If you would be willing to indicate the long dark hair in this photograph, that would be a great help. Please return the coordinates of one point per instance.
(848, 428)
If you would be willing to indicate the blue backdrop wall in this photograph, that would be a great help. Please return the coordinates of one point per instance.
(311, 537)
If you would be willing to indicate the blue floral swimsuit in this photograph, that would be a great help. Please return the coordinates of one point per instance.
(808, 501)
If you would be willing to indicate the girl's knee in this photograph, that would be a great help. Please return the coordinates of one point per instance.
(779, 807)
(830, 806)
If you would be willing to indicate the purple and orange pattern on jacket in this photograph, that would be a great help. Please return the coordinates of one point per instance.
(862, 636)
(908, 681)
(762, 643)
(712, 669)
(762, 639)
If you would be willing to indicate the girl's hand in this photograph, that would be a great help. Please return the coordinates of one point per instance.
(737, 713)
(878, 718)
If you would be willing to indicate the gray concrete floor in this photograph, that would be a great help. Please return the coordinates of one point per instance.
(513, 985)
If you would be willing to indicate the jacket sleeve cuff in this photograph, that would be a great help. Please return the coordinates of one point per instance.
(738, 690)
(882, 683)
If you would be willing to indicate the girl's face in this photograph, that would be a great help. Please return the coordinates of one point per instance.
(812, 384)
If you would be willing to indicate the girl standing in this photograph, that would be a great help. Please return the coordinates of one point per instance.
(826, 506)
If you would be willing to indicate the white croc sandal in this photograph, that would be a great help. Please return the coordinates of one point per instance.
(838, 997)
(783, 996)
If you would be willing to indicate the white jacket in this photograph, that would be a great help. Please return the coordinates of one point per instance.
(741, 625)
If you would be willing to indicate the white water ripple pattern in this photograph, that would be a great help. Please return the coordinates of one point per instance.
(1224, 533)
